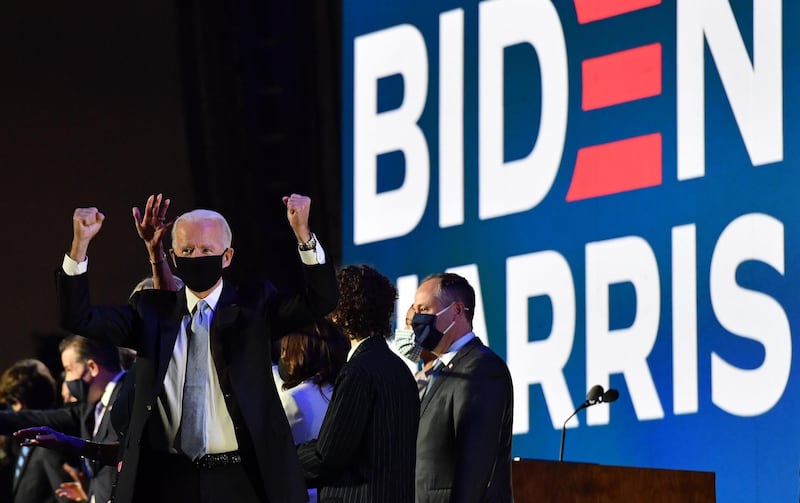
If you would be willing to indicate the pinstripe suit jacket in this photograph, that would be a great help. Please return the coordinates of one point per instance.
(366, 447)
(464, 442)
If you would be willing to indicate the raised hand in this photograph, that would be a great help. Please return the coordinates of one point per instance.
(152, 224)
(86, 223)
(297, 210)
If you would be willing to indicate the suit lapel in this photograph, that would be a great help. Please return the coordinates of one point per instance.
(447, 369)
(223, 335)
(168, 328)
(88, 417)
(105, 422)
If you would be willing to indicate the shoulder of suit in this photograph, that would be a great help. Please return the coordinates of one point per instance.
(153, 295)
(482, 358)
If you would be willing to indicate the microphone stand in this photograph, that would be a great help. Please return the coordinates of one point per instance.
(564, 428)
(595, 395)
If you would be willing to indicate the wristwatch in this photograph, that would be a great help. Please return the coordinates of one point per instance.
(311, 244)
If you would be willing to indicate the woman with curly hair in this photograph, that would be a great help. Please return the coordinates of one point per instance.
(366, 446)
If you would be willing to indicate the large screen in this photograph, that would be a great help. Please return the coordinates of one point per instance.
(618, 180)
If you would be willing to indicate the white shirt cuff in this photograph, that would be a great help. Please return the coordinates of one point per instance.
(72, 268)
(313, 257)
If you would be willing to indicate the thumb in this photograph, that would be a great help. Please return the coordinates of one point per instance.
(99, 217)
(72, 472)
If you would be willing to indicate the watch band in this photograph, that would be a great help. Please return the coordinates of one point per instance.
(311, 244)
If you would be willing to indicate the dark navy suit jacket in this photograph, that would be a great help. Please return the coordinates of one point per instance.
(242, 329)
(464, 442)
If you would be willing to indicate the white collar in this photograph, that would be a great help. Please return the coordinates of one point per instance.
(354, 344)
(212, 299)
(456, 347)
(106, 398)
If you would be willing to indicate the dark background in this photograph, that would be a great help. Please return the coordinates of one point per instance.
(221, 106)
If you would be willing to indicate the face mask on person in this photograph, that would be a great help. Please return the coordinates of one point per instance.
(199, 273)
(404, 342)
(79, 389)
(426, 334)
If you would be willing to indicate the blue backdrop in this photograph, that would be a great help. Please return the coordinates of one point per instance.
(617, 179)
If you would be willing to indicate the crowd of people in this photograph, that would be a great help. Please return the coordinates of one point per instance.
(197, 390)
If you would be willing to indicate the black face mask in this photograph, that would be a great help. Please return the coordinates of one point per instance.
(425, 332)
(283, 370)
(79, 389)
(199, 273)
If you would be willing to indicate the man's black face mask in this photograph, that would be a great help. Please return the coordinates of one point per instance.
(199, 273)
(425, 332)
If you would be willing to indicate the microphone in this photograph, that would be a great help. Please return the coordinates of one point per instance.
(609, 396)
(595, 395)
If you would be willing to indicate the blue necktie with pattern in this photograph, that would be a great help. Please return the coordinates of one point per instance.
(193, 412)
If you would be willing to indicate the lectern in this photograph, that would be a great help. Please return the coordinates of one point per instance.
(551, 481)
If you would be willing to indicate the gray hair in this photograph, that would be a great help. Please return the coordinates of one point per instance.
(205, 215)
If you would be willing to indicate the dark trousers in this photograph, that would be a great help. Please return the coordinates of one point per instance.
(172, 477)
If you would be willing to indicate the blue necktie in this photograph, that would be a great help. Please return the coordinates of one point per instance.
(193, 412)
(23, 453)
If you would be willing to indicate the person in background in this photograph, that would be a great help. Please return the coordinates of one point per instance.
(408, 348)
(28, 386)
(365, 448)
(405, 344)
(91, 373)
(464, 440)
(310, 360)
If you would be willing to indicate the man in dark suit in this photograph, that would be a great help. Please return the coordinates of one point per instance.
(91, 370)
(464, 441)
(206, 418)
(365, 449)
(37, 472)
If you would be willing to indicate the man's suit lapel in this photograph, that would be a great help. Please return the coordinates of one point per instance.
(168, 327)
(105, 423)
(447, 369)
(225, 348)
(88, 417)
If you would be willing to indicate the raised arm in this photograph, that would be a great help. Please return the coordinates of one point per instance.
(152, 225)
(76, 315)
(318, 294)
(297, 210)
(86, 223)
(44, 436)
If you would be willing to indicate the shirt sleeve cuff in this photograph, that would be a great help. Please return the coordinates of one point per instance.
(72, 268)
(313, 257)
